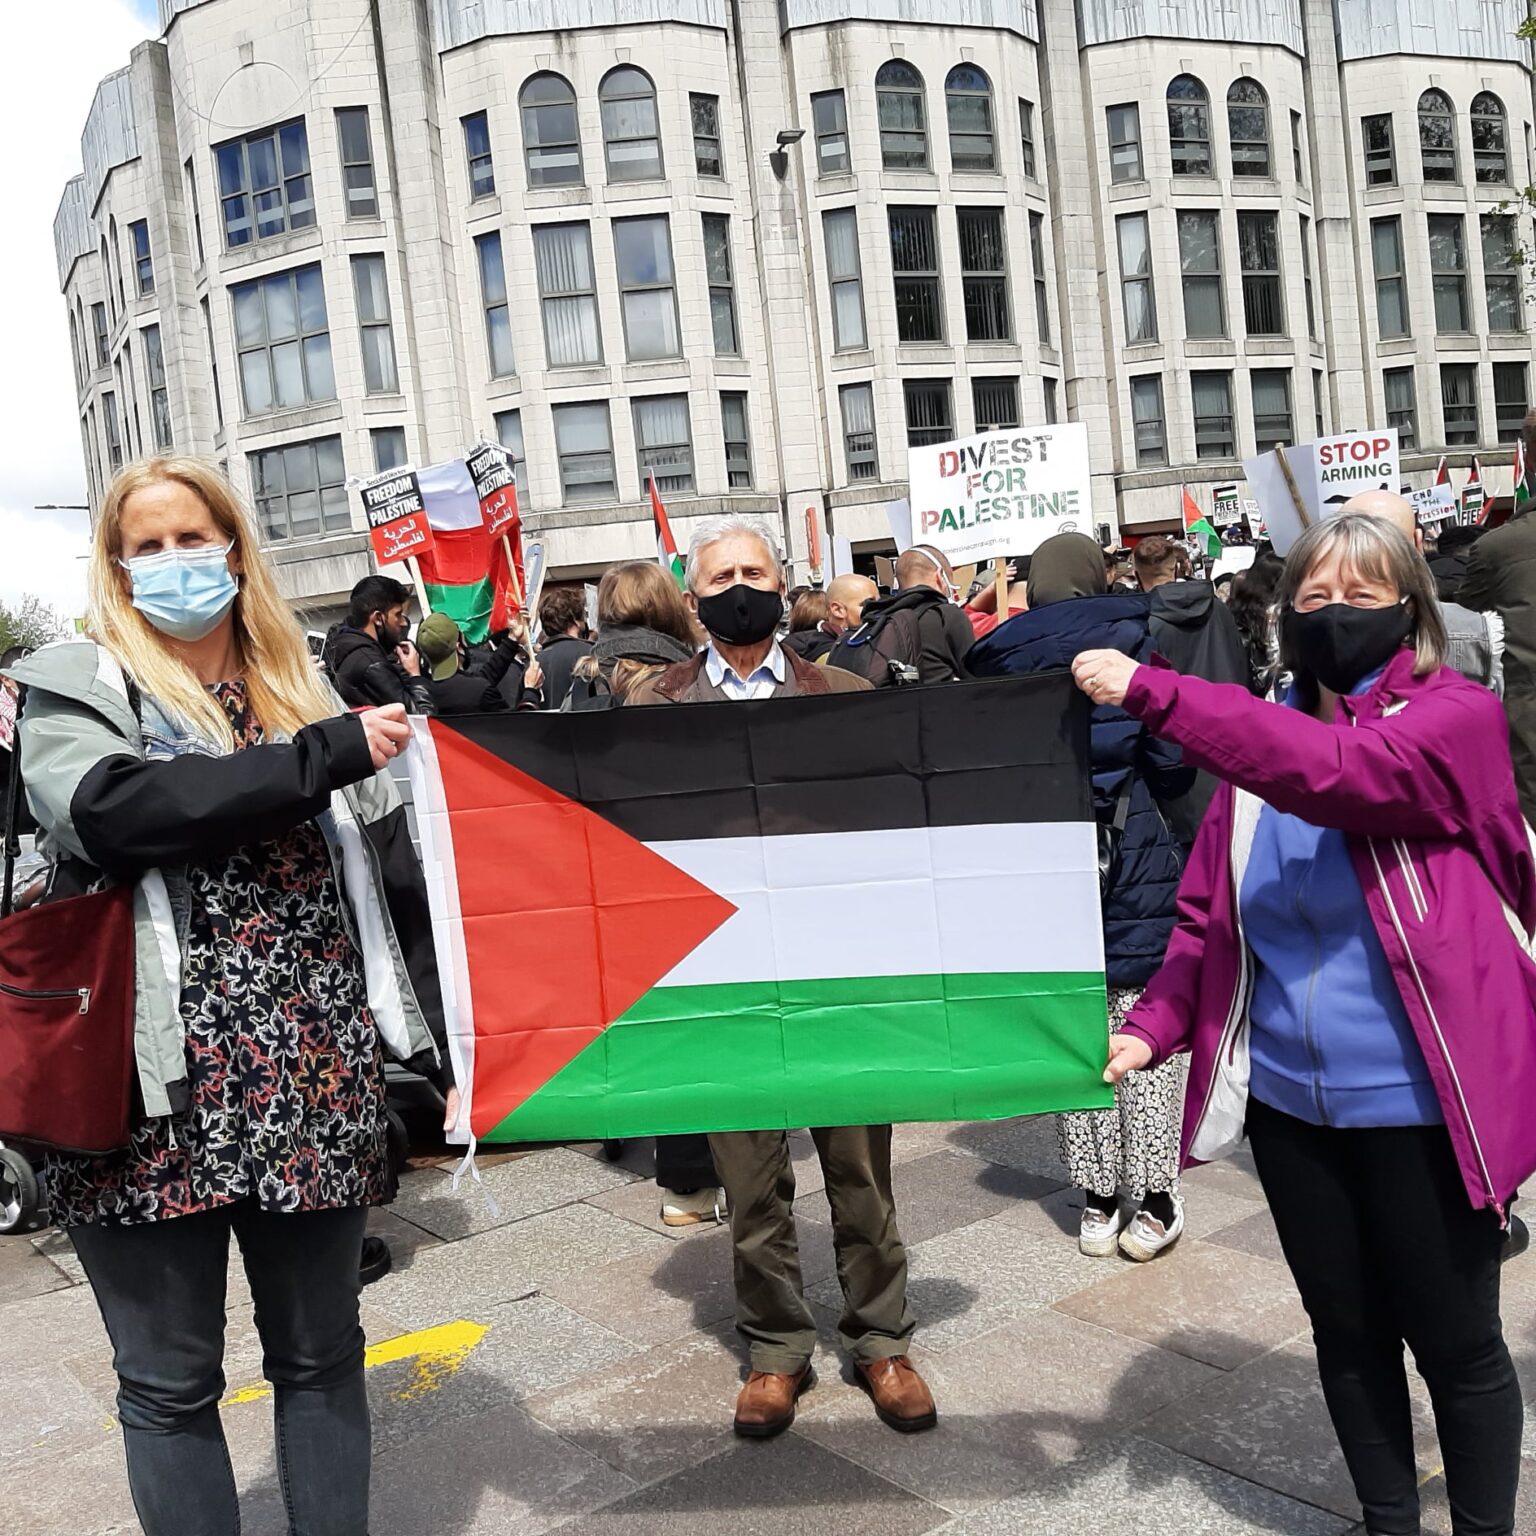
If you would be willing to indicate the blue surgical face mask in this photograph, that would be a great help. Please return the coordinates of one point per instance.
(183, 592)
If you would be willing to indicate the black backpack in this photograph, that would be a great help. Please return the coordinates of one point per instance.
(884, 650)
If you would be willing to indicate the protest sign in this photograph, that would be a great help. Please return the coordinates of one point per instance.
(1001, 493)
(1226, 509)
(1434, 504)
(842, 556)
(898, 514)
(1348, 463)
(495, 482)
(397, 515)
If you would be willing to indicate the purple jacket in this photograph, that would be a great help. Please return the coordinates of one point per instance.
(1417, 773)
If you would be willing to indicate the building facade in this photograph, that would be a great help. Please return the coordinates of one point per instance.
(760, 247)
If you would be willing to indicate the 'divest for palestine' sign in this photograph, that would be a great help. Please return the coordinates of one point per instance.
(1000, 493)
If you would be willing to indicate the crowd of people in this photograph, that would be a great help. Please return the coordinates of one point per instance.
(1317, 889)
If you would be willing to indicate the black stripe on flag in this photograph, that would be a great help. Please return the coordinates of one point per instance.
(1004, 750)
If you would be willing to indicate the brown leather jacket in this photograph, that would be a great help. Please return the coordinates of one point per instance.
(686, 682)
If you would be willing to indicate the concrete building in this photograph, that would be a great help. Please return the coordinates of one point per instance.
(759, 246)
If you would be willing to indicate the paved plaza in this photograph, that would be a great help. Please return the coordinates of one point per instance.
(547, 1356)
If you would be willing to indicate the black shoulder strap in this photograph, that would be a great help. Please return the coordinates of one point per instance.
(12, 814)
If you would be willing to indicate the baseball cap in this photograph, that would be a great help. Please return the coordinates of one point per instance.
(437, 638)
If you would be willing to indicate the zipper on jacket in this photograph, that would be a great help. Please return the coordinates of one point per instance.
(1434, 1024)
(1411, 879)
(50, 995)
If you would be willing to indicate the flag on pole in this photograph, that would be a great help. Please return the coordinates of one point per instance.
(465, 571)
(629, 911)
(1522, 488)
(1198, 528)
(666, 548)
(1473, 497)
(1442, 472)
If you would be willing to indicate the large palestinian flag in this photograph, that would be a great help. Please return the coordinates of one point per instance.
(818, 911)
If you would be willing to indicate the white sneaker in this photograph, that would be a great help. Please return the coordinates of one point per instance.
(689, 1210)
(1097, 1233)
(1146, 1237)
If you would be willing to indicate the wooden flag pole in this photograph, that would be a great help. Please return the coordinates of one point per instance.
(413, 565)
(1000, 575)
(516, 585)
(1291, 486)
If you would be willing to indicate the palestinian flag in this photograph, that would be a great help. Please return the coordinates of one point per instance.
(1522, 492)
(465, 572)
(1473, 497)
(1198, 530)
(820, 911)
(666, 547)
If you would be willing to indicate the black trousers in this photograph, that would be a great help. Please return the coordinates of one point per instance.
(683, 1163)
(1386, 1249)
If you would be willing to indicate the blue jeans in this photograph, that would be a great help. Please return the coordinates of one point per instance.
(161, 1289)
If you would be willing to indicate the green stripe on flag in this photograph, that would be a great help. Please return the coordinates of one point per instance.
(468, 606)
(956, 1047)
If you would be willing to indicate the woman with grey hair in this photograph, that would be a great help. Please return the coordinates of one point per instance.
(1351, 977)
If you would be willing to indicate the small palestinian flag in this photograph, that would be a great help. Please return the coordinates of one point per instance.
(1198, 529)
(1442, 472)
(666, 547)
(1522, 492)
(465, 571)
(820, 911)
(1473, 497)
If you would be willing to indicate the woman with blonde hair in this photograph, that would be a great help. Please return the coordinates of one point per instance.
(643, 626)
(189, 748)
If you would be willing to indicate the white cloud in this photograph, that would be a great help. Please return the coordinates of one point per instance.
(59, 53)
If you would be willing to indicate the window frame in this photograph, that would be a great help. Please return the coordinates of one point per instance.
(828, 134)
(494, 309)
(1261, 280)
(302, 335)
(606, 98)
(379, 435)
(892, 94)
(102, 331)
(1392, 283)
(739, 474)
(1368, 122)
(1265, 170)
(927, 280)
(114, 430)
(1441, 110)
(1407, 441)
(479, 164)
(988, 286)
(515, 448)
(1185, 146)
(938, 389)
(159, 390)
(1226, 444)
(297, 214)
(1304, 232)
(1298, 159)
(258, 461)
(561, 297)
(669, 484)
(961, 96)
(1008, 382)
(370, 324)
(1482, 158)
(1145, 279)
(1448, 280)
(1509, 410)
(1149, 455)
(189, 169)
(1027, 137)
(1464, 437)
(1134, 142)
(1265, 440)
(859, 457)
(534, 142)
(695, 98)
(349, 193)
(721, 287)
(837, 281)
(1506, 278)
(143, 258)
(628, 287)
(1208, 280)
(559, 412)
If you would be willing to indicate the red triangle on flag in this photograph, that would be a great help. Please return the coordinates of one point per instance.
(567, 920)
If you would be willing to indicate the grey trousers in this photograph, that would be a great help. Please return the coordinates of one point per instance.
(771, 1311)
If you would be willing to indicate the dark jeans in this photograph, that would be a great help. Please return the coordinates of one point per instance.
(684, 1164)
(160, 1287)
(1386, 1248)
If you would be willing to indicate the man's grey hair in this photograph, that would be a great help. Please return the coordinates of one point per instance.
(713, 529)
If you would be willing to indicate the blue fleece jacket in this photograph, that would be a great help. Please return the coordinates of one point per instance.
(1330, 1042)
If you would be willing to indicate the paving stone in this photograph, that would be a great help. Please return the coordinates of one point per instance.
(1437, 1512)
(1267, 1422)
(981, 1277)
(1212, 1304)
(945, 1190)
(82, 1493)
(47, 1413)
(785, 1487)
(1131, 1487)
(1254, 1233)
(640, 1202)
(1029, 1143)
(496, 1474)
(1233, 1175)
(43, 1330)
(507, 1193)
(57, 1252)
(404, 1237)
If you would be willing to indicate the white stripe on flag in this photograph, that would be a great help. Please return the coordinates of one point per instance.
(448, 494)
(901, 902)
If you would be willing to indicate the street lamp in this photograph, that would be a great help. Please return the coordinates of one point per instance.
(778, 158)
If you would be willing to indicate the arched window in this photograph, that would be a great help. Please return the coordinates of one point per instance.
(1490, 146)
(631, 130)
(1437, 136)
(903, 123)
(1189, 126)
(1248, 128)
(968, 97)
(551, 139)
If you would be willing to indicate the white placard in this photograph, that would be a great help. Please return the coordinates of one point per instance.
(1434, 504)
(842, 556)
(1001, 493)
(1348, 463)
(898, 514)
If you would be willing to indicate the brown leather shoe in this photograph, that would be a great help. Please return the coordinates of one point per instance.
(901, 1397)
(766, 1406)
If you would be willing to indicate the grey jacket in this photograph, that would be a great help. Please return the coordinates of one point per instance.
(85, 747)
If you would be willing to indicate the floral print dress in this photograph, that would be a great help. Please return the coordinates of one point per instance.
(284, 1064)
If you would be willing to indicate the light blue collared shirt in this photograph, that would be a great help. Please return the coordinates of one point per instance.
(768, 675)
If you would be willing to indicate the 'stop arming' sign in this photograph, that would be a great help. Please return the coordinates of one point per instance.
(1001, 493)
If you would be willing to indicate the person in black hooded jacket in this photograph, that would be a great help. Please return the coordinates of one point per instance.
(926, 590)
(1134, 1146)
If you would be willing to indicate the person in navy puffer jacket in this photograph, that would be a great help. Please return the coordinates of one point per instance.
(1135, 1146)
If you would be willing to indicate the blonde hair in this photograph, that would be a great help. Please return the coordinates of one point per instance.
(639, 593)
(285, 691)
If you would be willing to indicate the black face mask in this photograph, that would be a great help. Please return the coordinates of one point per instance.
(1339, 645)
(742, 615)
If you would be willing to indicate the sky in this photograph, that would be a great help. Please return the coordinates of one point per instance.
(43, 108)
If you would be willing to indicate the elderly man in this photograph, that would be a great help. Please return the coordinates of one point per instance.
(1476, 639)
(736, 588)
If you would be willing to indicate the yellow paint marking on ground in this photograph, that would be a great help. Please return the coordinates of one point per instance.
(438, 1352)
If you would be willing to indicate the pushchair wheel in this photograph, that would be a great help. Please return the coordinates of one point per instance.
(19, 1197)
(613, 1150)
